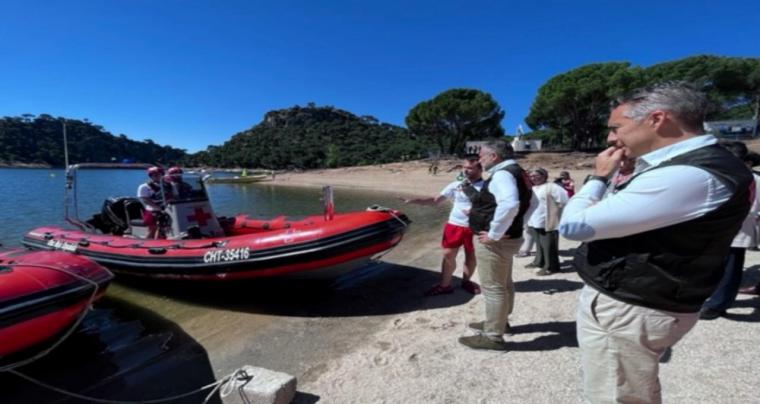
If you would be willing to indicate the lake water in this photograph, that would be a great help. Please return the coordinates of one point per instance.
(35, 198)
(197, 332)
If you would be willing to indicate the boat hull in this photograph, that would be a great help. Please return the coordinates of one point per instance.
(309, 248)
(39, 297)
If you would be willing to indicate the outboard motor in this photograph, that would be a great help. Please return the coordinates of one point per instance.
(116, 214)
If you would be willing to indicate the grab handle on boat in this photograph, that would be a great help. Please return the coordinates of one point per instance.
(327, 199)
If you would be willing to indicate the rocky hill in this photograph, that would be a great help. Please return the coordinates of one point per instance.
(313, 137)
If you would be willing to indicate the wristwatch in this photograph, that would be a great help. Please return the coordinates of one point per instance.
(590, 177)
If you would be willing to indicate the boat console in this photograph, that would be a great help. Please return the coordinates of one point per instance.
(187, 213)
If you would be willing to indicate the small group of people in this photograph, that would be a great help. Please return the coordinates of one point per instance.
(487, 221)
(543, 220)
(656, 219)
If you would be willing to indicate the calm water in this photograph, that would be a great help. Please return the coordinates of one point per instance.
(35, 198)
(195, 332)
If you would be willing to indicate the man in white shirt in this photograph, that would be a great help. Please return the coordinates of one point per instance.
(496, 218)
(549, 198)
(456, 232)
(151, 195)
(654, 250)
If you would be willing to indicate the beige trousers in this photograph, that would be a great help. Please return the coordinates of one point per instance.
(621, 345)
(495, 272)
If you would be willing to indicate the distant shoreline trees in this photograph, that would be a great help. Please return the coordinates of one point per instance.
(27, 139)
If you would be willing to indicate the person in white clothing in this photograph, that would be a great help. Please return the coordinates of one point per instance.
(151, 194)
(654, 250)
(496, 219)
(549, 198)
(456, 232)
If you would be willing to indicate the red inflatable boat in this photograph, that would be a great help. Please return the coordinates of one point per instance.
(197, 245)
(42, 293)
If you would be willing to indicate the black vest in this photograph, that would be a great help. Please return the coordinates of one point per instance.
(674, 268)
(484, 204)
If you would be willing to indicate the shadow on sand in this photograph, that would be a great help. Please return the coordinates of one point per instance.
(547, 285)
(752, 317)
(377, 289)
(114, 356)
(562, 335)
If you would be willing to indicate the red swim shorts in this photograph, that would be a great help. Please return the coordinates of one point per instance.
(456, 236)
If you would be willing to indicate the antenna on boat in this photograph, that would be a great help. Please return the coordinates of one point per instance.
(327, 199)
(69, 175)
(70, 192)
(65, 145)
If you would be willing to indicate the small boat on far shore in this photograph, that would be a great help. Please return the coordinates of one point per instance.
(235, 179)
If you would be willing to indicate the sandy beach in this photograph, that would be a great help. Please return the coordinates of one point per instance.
(414, 178)
(412, 356)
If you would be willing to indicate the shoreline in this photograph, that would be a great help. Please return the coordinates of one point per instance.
(410, 178)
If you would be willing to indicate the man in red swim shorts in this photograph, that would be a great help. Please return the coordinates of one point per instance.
(456, 232)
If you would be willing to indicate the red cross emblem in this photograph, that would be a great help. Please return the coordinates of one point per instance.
(200, 217)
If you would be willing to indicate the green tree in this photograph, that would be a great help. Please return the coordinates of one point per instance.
(455, 116)
(39, 140)
(571, 108)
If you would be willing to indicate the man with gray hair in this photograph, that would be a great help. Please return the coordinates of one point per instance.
(496, 218)
(654, 250)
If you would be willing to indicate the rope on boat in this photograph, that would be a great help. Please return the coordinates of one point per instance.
(392, 212)
(225, 385)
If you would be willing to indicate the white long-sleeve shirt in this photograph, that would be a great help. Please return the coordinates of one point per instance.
(503, 186)
(537, 218)
(655, 199)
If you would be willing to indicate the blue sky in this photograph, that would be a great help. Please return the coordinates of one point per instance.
(193, 73)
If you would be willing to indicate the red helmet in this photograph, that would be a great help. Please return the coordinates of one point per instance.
(175, 171)
(155, 170)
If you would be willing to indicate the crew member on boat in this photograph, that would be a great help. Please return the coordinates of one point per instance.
(179, 188)
(151, 196)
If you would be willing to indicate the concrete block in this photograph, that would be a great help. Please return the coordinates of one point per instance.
(265, 387)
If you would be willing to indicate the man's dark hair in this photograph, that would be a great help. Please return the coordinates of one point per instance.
(473, 158)
(542, 172)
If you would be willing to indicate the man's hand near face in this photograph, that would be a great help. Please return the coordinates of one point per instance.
(608, 161)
